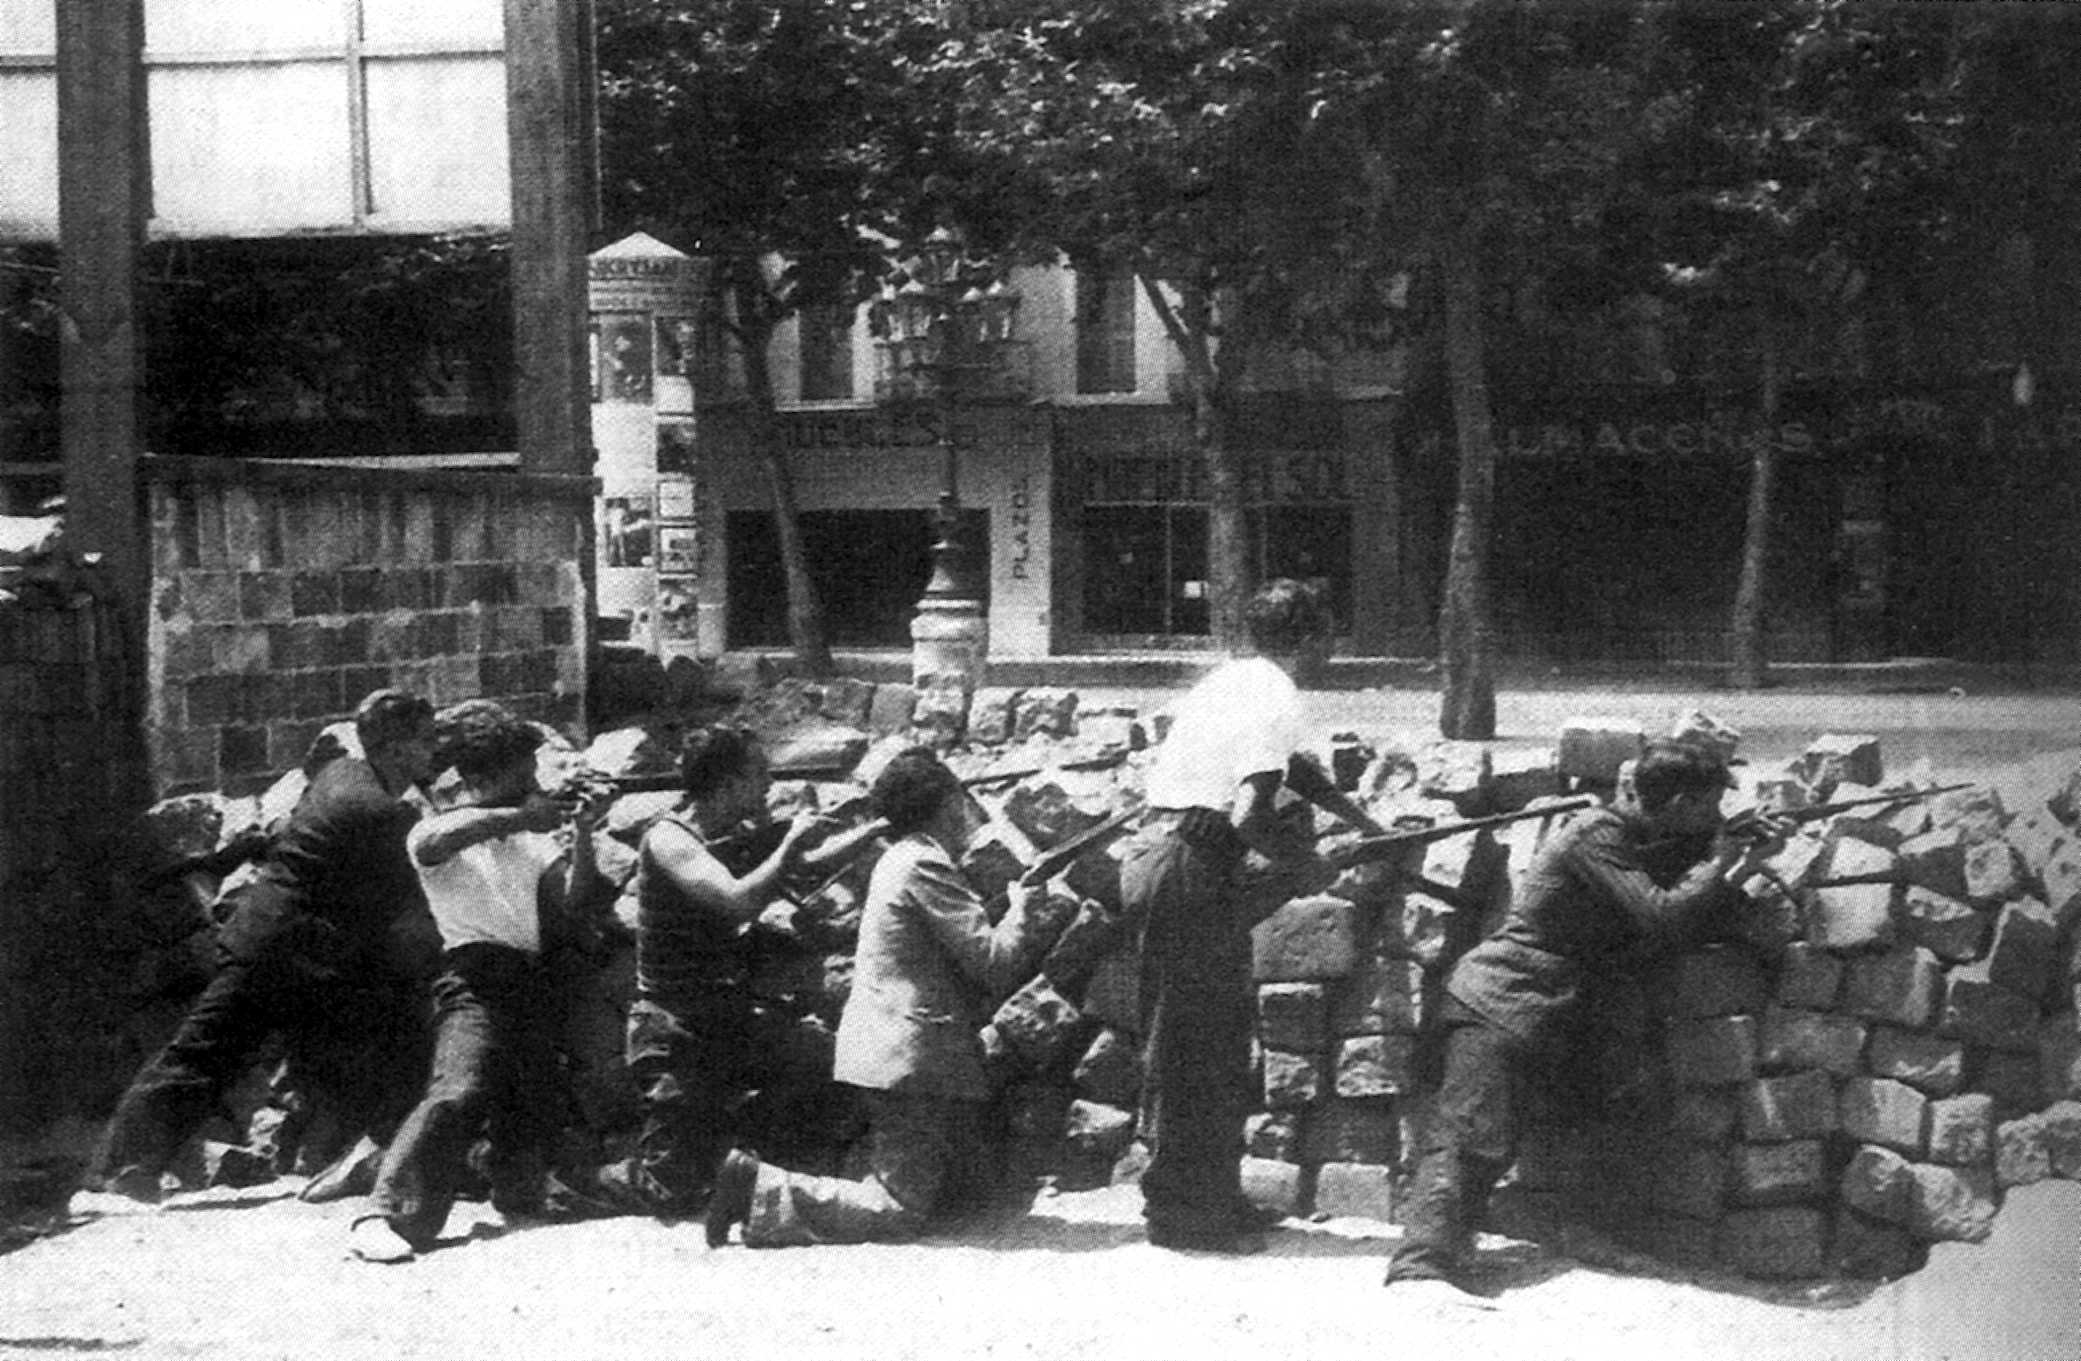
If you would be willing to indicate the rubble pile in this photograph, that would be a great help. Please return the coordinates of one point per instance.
(1884, 1045)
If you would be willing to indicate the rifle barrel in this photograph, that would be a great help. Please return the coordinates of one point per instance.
(1423, 836)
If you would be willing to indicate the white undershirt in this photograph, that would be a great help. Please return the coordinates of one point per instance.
(1244, 718)
(487, 892)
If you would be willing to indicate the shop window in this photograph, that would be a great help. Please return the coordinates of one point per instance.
(826, 336)
(1105, 331)
(1145, 566)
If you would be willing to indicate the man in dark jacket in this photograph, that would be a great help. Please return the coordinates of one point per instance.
(306, 952)
(1599, 899)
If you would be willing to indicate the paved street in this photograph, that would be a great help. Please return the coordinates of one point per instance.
(269, 1278)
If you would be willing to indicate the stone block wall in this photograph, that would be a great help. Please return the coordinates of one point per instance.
(282, 593)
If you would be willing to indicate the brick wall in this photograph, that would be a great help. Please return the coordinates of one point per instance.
(282, 593)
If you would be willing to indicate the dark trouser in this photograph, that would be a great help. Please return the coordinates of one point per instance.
(694, 1065)
(494, 1072)
(1196, 1004)
(922, 1145)
(360, 1042)
(1468, 1144)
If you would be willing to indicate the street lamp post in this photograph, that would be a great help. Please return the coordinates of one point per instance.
(949, 325)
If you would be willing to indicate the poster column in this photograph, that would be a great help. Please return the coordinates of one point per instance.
(644, 297)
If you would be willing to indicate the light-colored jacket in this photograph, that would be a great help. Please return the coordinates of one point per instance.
(928, 973)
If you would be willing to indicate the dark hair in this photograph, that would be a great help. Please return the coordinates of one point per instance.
(386, 717)
(911, 789)
(1284, 615)
(1670, 766)
(709, 757)
(481, 737)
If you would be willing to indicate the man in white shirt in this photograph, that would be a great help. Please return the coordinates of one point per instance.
(483, 863)
(1235, 740)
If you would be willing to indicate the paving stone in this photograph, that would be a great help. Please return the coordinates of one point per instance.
(1707, 730)
(1976, 811)
(1419, 928)
(1961, 1130)
(1995, 873)
(2010, 1076)
(1376, 1065)
(1519, 776)
(1704, 1114)
(1871, 1250)
(1357, 1190)
(1877, 1182)
(1929, 1063)
(1791, 1040)
(2059, 1058)
(1877, 1110)
(1291, 1081)
(1272, 1185)
(2062, 1127)
(1593, 749)
(1098, 1130)
(2025, 952)
(1835, 759)
(1979, 1011)
(1458, 771)
(1307, 939)
(1779, 1173)
(1900, 987)
(893, 710)
(1952, 1204)
(1038, 1022)
(1292, 1016)
(1795, 1106)
(1809, 978)
(1935, 861)
(1853, 916)
(1273, 1134)
(1949, 928)
(1045, 711)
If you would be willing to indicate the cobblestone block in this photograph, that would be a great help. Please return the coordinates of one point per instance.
(1979, 1011)
(1951, 1204)
(1961, 1130)
(1868, 1249)
(1995, 873)
(1899, 987)
(2059, 876)
(1045, 712)
(2025, 952)
(1418, 928)
(1038, 1022)
(1357, 1190)
(1292, 1016)
(1704, 1114)
(1273, 1134)
(1703, 729)
(1307, 939)
(2011, 1077)
(1949, 928)
(1929, 1063)
(1520, 775)
(1291, 1081)
(1376, 1065)
(1976, 812)
(1111, 1069)
(1877, 1110)
(1457, 771)
(1795, 1106)
(1809, 978)
(990, 715)
(1272, 1185)
(1779, 1173)
(1789, 1243)
(2061, 1122)
(1791, 1040)
(2021, 1154)
(893, 710)
(1935, 861)
(1793, 863)
(1834, 759)
(1712, 1052)
(2059, 1058)
(1878, 1183)
(1593, 749)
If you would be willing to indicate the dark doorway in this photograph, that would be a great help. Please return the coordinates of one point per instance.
(869, 567)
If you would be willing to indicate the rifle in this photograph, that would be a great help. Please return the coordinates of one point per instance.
(1754, 822)
(1388, 845)
(1055, 860)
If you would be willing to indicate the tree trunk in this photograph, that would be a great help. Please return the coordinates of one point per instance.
(1747, 654)
(805, 611)
(1467, 708)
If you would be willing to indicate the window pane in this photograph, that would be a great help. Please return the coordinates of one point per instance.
(1105, 332)
(827, 354)
(1125, 556)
